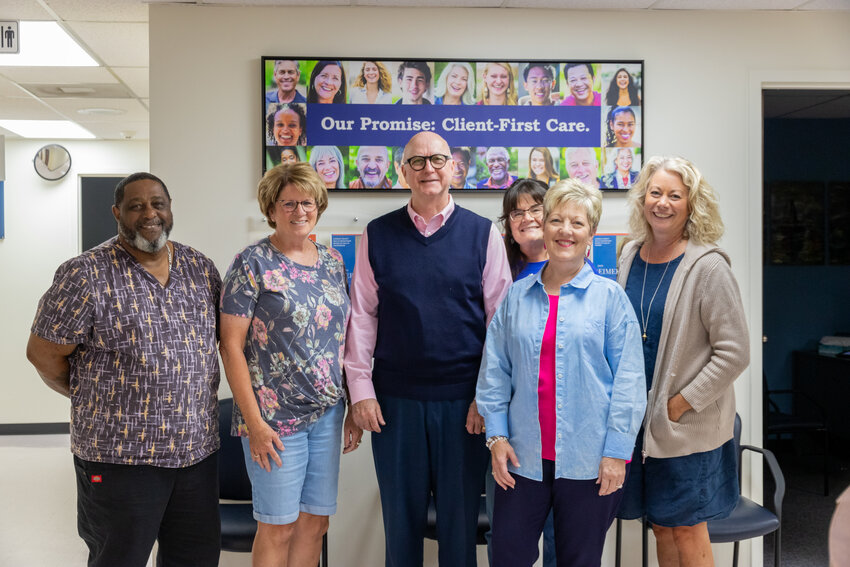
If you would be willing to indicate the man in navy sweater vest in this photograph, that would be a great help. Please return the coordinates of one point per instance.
(427, 280)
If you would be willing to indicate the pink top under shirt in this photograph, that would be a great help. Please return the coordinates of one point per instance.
(546, 383)
(363, 323)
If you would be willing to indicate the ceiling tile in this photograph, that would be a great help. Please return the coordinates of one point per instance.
(26, 108)
(431, 3)
(131, 109)
(9, 88)
(113, 131)
(720, 5)
(281, 2)
(136, 78)
(117, 44)
(100, 10)
(842, 5)
(24, 10)
(58, 75)
(582, 4)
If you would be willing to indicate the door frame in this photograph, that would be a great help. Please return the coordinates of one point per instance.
(758, 81)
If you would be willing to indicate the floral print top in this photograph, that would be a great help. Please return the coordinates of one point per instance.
(297, 336)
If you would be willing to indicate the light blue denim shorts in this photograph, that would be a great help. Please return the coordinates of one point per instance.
(307, 481)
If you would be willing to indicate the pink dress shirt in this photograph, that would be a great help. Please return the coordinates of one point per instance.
(363, 323)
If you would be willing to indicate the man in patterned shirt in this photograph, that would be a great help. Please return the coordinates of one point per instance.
(128, 332)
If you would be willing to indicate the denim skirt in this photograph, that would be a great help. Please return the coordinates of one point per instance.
(681, 491)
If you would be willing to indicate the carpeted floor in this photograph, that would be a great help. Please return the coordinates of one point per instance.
(806, 512)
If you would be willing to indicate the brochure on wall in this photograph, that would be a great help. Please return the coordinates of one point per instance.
(346, 244)
(604, 256)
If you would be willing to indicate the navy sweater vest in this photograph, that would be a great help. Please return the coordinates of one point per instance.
(431, 318)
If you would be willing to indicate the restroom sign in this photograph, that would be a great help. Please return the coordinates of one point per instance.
(10, 38)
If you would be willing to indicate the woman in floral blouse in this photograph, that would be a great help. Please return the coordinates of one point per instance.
(284, 310)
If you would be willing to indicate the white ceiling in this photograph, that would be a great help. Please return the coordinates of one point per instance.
(115, 34)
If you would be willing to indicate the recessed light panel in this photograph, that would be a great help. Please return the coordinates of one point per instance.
(46, 129)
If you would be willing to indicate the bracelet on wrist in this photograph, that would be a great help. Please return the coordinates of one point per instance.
(493, 440)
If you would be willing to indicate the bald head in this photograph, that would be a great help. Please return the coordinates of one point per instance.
(428, 182)
(426, 138)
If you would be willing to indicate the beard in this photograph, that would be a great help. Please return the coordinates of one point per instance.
(139, 242)
(372, 180)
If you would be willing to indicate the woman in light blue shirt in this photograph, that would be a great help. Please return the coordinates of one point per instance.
(561, 389)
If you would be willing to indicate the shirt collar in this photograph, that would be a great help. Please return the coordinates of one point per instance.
(442, 216)
(581, 280)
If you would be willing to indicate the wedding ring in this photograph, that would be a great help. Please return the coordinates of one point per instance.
(619, 486)
(255, 455)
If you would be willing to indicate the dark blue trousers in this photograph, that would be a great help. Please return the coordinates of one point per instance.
(581, 519)
(424, 448)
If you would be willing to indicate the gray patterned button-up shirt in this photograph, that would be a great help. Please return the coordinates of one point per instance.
(144, 378)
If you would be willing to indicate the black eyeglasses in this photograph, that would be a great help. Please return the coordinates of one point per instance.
(535, 211)
(438, 161)
(290, 206)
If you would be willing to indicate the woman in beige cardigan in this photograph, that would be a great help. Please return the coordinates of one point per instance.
(695, 345)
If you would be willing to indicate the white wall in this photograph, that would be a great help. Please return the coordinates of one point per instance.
(703, 72)
(701, 101)
(41, 233)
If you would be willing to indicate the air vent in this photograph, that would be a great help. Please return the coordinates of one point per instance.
(79, 90)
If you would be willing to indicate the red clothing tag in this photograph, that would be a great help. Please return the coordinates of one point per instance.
(96, 478)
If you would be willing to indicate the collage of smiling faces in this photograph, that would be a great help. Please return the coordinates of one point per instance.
(293, 86)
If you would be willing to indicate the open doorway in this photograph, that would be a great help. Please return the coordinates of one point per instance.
(805, 285)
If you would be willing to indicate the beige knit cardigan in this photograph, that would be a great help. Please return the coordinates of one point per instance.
(704, 347)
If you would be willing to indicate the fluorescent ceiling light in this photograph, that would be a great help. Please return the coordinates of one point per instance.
(46, 129)
(45, 44)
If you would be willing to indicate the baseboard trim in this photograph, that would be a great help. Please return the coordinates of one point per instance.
(34, 428)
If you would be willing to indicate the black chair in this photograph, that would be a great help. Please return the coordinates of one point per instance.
(483, 521)
(238, 525)
(748, 519)
(807, 416)
(644, 540)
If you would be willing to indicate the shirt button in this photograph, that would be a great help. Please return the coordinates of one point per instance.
(560, 345)
(559, 435)
(560, 406)
(561, 319)
(560, 375)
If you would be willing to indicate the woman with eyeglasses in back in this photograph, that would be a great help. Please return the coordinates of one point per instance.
(284, 310)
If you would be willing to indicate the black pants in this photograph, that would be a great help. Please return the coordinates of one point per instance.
(582, 519)
(123, 509)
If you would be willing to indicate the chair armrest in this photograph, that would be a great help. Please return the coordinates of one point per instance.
(776, 473)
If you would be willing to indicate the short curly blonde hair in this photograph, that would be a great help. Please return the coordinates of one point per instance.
(704, 224)
(299, 174)
(574, 191)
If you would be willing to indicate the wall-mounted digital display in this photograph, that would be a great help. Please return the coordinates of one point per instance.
(350, 119)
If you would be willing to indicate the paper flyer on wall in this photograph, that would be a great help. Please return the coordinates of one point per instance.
(604, 255)
(346, 244)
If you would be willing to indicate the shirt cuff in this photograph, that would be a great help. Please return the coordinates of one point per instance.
(496, 424)
(619, 445)
(359, 390)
